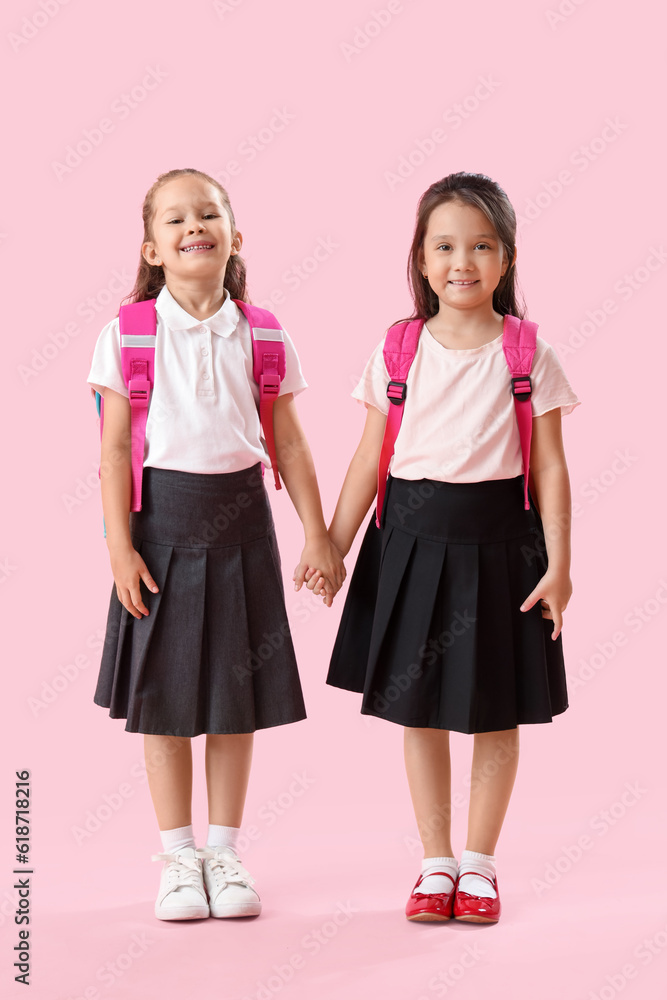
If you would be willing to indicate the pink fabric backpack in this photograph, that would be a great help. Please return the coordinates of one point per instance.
(519, 345)
(138, 327)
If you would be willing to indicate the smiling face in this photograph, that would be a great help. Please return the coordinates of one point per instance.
(462, 255)
(192, 231)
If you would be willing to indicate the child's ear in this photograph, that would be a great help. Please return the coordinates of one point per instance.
(149, 254)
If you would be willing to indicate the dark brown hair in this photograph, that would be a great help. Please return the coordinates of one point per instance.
(150, 277)
(481, 192)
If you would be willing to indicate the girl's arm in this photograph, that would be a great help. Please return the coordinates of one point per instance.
(127, 566)
(295, 465)
(360, 485)
(551, 481)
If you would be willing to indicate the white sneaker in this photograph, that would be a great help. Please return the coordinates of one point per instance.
(182, 895)
(228, 884)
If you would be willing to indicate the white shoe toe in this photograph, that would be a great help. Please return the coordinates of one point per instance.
(228, 884)
(182, 895)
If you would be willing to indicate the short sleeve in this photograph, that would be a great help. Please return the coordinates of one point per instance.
(106, 370)
(294, 380)
(372, 386)
(551, 388)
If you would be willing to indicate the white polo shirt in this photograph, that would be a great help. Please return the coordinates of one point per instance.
(459, 421)
(204, 409)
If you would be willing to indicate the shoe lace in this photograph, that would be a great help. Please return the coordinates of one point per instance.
(181, 870)
(225, 867)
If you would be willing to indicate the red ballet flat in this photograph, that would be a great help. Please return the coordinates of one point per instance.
(476, 909)
(430, 905)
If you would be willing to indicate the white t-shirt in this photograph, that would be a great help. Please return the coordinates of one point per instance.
(203, 414)
(459, 420)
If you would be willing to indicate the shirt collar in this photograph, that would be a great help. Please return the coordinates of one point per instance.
(224, 322)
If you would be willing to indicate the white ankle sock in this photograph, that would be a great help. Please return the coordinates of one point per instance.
(438, 883)
(222, 836)
(482, 864)
(179, 837)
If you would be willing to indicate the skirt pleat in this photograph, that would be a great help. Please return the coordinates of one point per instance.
(214, 654)
(431, 632)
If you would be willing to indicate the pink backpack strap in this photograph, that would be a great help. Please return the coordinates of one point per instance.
(138, 325)
(519, 345)
(268, 353)
(399, 351)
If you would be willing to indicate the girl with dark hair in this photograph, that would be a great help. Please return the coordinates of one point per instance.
(197, 577)
(454, 613)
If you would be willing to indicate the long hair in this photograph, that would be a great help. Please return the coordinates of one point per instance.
(481, 192)
(150, 277)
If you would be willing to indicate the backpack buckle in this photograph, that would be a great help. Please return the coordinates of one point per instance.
(139, 389)
(398, 393)
(522, 387)
(269, 384)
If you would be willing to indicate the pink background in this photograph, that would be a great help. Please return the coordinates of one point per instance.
(591, 196)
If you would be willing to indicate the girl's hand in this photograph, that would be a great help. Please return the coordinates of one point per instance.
(321, 565)
(320, 586)
(129, 569)
(553, 591)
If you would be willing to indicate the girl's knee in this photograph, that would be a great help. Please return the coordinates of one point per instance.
(415, 734)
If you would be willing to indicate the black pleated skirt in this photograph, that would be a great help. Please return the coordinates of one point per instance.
(431, 630)
(215, 654)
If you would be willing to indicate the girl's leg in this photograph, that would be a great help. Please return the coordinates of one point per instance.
(494, 766)
(181, 895)
(228, 759)
(169, 770)
(428, 767)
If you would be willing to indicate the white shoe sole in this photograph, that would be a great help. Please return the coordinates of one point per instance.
(182, 912)
(236, 909)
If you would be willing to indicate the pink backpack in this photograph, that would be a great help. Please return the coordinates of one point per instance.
(400, 347)
(138, 327)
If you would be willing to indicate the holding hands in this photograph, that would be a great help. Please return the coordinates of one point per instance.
(321, 568)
